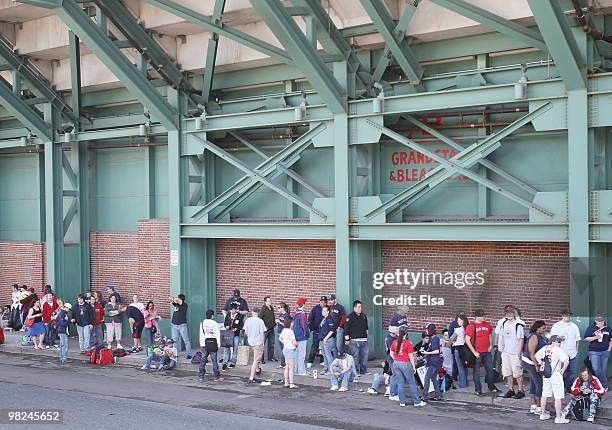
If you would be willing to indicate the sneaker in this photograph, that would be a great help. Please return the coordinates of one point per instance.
(519, 395)
(231, 366)
(144, 367)
(394, 398)
(134, 349)
(387, 392)
(422, 403)
(47, 347)
(591, 419)
(367, 373)
(343, 389)
(334, 388)
(258, 371)
(273, 359)
(188, 357)
(56, 346)
(372, 391)
(494, 390)
(252, 381)
(281, 367)
(308, 365)
(224, 368)
(356, 379)
(262, 362)
(560, 420)
(544, 416)
(537, 411)
(478, 393)
(509, 394)
(403, 405)
(119, 346)
(140, 349)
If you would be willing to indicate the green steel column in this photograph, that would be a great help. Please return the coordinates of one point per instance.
(344, 288)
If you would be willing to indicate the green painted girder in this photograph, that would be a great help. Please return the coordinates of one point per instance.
(406, 59)
(305, 56)
(24, 113)
(236, 162)
(91, 34)
(122, 18)
(494, 22)
(459, 163)
(331, 39)
(258, 231)
(211, 52)
(560, 41)
(266, 167)
(485, 163)
(39, 84)
(233, 34)
(75, 74)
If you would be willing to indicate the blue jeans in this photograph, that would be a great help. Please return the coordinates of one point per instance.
(570, 373)
(147, 337)
(180, 330)
(63, 346)
(215, 364)
(84, 333)
(231, 357)
(359, 351)
(300, 359)
(379, 379)
(535, 381)
(339, 340)
(282, 358)
(150, 359)
(599, 360)
(404, 374)
(167, 361)
(462, 377)
(50, 333)
(432, 376)
(345, 378)
(97, 335)
(485, 358)
(327, 347)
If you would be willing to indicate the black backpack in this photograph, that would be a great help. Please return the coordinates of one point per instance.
(580, 411)
(547, 370)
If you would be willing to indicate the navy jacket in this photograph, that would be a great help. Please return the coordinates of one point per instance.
(62, 322)
(242, 304)
(83, 314)
(398, 320)
(337, 312)
(314, 318)
(325, 326)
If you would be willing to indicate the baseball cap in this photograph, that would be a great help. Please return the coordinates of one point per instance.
(323, 299)
(403, 309)
(555, 338)
(599, 317)
(332, 297)
(301, 301)
(403, 329)
(430, 327)
(110, 287)
(68, 306)
(170, 340)
(566, 311)
(479, 313)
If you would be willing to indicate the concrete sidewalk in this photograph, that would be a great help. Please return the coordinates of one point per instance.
(271, 372)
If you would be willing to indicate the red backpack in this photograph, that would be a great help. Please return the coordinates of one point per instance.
(105, 357)
(93, 355)
(1, 336)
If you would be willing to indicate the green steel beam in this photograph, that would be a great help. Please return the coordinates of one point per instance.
(122, 18)
(560, 42)
(24, 113)
(399, 33)
(258, 231)
(305, 56)
(91, 34)
(75, 75)
(232, 34)
(211, 52)
(406, 59)
(494, 22)
(486, 163)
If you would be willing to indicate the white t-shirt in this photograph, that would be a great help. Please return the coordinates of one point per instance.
(255, 328)
(139, 305)
(498, 327)
(557, 357)
(571, 333)
(510, 334)
(287, 337)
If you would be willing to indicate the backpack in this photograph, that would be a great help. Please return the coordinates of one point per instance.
(197, 358)
(105, 357)
(93, 355)
(301, 329)
(1, 335)
(580, 411)
(26, 341)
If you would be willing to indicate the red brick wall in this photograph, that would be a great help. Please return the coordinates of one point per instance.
(282, 269)
(21, 263)
(134, 262)
(532, 276)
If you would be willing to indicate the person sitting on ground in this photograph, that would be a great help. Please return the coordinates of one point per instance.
(343, 370)
(168, 359)
(586, 386)
(383, 378)
(156, 354)
(5, 317)
(553, 361)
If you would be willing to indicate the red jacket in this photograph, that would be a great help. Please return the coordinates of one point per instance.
(47, 310)
(594, 385)
(99, 311)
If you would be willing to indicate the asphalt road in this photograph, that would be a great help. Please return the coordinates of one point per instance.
(123, 397)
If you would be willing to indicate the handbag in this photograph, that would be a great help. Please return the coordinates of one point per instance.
(29, 322)
(227, 338)
(466, 353)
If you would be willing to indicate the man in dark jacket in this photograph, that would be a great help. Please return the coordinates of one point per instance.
(267, 315)
(62, 322)
(233, 321)
(356, 332)
(243, 306)
(314, 322)
(338, 313)
(83, 315)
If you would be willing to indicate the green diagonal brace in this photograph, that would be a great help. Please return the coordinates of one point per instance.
(211, 51)
(495, 22)
(23, 112)
(305, 56)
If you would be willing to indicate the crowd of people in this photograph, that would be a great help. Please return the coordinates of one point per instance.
(440, 361)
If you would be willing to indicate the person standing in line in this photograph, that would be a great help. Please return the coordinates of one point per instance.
(327, 331)
(287, 339)
(151, 324)
(97, 333)
(402, 353)
(553, 362)
(267, 315)
(599, 336)
(210, 339)
(571, 338)
(314, 321)
(233, 321)
(339, 315)
(511, 340)
(243, 306)
(356, 332)
(48, 308)
(433, 359)
(111, 290)
(83, 316)
(112, 320)
(179, 324)
(458, 340)
(535, 342)
(37, 329)
(62, 322)
(136, 319)
(282, 312)
(255, 330)
(302, 333)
